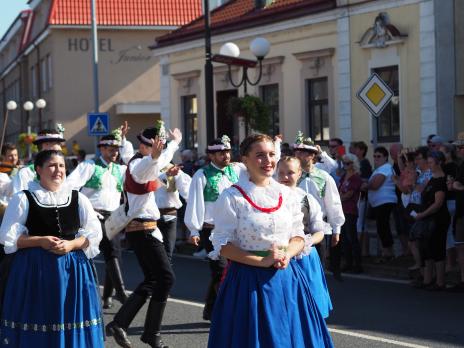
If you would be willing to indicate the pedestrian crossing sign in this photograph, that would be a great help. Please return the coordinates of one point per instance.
(375, 94)
(98, 123)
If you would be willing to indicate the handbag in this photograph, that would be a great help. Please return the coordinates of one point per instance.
(117, 221)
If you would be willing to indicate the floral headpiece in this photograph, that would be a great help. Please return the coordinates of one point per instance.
(220, 144)
(113, 139)
(302, 143)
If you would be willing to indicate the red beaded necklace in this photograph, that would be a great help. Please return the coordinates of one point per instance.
(254, 205)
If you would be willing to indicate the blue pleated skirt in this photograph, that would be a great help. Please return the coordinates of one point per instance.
(314, 272)
(51, 301)
(268, 308)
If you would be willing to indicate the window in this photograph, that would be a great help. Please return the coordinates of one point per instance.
(270, 96)
(43, 75)
(318, 107)
(388, 123)
(33, 84)
(49, 72)
(190, 120)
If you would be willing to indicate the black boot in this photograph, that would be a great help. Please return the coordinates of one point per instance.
(113, 269)
(117, 328)
(151, 332)
(107, 292)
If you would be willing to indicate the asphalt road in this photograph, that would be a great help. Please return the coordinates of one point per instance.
(368, 312)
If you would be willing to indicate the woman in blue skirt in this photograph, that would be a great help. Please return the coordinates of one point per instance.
(289, 171)
(264, 300)
(50, 297)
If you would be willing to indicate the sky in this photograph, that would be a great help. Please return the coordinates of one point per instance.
(9, 10)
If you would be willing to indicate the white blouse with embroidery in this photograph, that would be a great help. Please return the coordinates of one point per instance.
(14, 221)
(238, 222)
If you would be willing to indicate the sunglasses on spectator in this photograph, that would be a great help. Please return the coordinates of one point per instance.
(378, 156)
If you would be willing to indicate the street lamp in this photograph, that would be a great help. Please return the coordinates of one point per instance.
(10, 106)
(28, 107)
(40, 104)
(229, 54)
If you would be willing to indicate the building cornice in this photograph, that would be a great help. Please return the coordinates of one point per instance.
(316, 18)
(114, 27)
(314, 54)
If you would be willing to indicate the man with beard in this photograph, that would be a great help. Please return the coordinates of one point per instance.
(101, 181)
(205, 188)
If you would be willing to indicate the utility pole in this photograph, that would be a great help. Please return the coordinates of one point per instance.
(209, 87)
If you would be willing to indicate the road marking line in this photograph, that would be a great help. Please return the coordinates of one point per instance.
(190, 303)
(376, 338)
(377, 279)
(337, 331)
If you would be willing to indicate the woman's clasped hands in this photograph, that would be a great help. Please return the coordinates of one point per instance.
(56, 245)
(277, 257)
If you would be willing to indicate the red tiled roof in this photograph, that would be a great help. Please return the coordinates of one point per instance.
(126, 12)
(241, 14)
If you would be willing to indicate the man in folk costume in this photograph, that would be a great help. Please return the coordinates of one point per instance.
(321, 186)
(101, 181)
(173, 181)
(207, 184)
(145, 238)
(47, 139)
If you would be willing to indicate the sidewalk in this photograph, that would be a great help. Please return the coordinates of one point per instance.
(396, 268)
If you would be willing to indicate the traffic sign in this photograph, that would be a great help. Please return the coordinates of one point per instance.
(98, 123)
(375, 94)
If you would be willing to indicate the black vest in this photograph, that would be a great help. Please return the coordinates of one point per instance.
(59, 221)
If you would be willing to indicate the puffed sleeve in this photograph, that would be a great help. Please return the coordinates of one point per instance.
(333, 205)
(14, 222)
(328, 163)
(183, 181)
(90, 227)
(148, 169)
(225, 223)
(195, 209)
(22, 179)
(126, 150)
(316, 221)
(80, 175)
(297, 229)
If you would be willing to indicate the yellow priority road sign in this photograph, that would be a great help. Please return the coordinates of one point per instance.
(375, 94)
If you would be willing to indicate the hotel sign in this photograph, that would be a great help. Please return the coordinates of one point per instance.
(375, 94)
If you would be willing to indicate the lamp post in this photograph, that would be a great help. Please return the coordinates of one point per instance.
(40, 104)
(28, 107)
(10, 106)
(209, 86)
(229, 54)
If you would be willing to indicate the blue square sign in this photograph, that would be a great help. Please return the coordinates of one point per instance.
(98, 123)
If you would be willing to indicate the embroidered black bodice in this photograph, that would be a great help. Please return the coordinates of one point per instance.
(49, 220)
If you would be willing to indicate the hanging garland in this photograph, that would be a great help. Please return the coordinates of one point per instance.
(24, 140)
(254, 110)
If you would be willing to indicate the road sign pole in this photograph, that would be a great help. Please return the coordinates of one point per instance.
(375, 129)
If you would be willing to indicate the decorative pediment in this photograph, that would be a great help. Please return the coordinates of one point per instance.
(382, 34)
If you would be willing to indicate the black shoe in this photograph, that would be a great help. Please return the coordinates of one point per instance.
(155, 342)
(207, 311)
(107, 302)
(151, 331)
(119, 334)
